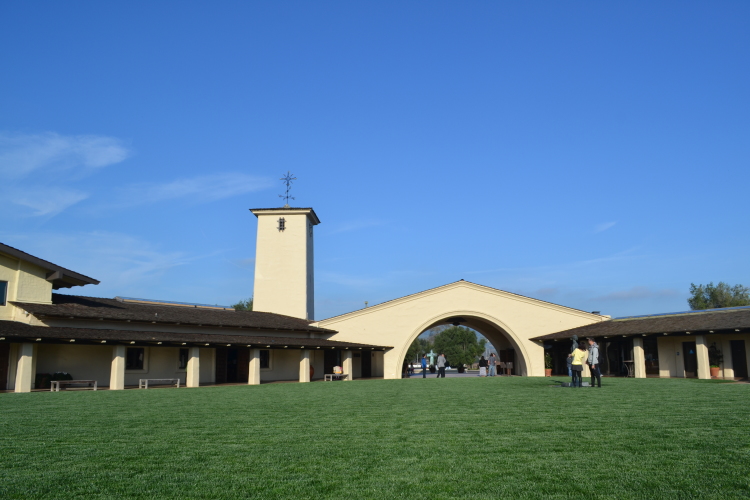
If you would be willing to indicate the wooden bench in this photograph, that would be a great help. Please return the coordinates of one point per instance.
(55, 384)
(143, 383)
(330, 377)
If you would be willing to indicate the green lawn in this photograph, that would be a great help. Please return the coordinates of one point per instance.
(449, 438)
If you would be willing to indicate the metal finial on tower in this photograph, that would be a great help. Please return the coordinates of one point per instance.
(288, 181)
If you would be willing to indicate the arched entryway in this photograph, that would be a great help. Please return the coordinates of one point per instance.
(493, 330)
(504, 318)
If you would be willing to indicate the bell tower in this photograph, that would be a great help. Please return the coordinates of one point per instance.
(284, 275)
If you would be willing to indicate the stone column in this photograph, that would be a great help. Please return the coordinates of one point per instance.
(253, 377)
(25, 368)
(193, 377)
(639, 358)
(349, 364)
(117, 371)
(304, 365)
(701, 351)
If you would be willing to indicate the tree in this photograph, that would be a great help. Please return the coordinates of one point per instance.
(417, 349)
(721, 295)
(460, 345)
(244, 305)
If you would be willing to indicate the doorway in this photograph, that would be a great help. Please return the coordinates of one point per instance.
(232, 365)
(690, 358)
(331, 358)
(739, 358)
(366, 364)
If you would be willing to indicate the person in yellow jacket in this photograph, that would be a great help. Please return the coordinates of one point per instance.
(579, 357)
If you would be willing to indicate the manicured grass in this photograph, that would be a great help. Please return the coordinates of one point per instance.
(450, 438)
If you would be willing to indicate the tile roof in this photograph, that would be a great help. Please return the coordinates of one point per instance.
(21, 332)
(73, 306)
(59, 276)
(716, 320)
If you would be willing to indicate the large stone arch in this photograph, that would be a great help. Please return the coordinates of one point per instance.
(398, 322)
(470, 317)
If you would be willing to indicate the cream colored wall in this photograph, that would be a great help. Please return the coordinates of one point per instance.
(378, 364)
(284, 265)
(284, 366)
(26, 282)
(94, 362)
(397, 323)
(83, 362)
(723, 343)
(671, 363)
(671, 356)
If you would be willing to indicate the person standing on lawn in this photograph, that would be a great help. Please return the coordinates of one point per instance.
(573, 346)
(424, 366)
(593, 362)
(493, 362)
(441, 366)
(578, 358)
(482, 367)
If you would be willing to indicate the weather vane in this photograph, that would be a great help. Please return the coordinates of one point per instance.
(288, 181)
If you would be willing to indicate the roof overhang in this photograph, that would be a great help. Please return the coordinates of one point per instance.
(12, 331)
(57, 275)
(288, 211)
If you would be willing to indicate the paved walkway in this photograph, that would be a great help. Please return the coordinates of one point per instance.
(471, 373)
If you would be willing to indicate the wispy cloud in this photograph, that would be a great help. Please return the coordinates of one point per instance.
(37, 169)
(22, 154)
(628, 254)
(121, 262)
(199, 189)
(45, 200)
(638, 293)
(355, 225)
(348, 280)
(603, 226)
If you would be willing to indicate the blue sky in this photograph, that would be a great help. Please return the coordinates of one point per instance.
(591, 154)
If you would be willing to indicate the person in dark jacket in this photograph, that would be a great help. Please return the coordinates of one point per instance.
(482, 367)
(593, 362)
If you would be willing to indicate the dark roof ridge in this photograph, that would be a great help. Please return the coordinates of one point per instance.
(75, 306)
(9, 328)
(59, 281)
(682, 313)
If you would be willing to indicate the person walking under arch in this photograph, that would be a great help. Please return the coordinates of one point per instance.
(578, 358)
(593, 362)
(441, 366)
(482, 367)
(424, 366)
(493, 363)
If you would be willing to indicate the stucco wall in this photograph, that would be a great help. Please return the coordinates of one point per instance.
(397, 323)
(284, 264)
(26, 282)
(671, 363)
(91, 362)
(284, 366)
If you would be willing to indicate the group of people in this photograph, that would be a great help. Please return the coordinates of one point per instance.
(584, 353)
(486, 365)
(441, 363)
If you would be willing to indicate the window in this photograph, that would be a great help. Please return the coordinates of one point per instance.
(265, 358)
(184, 354)
(282, 224)
(3, 292)
(134, 358)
